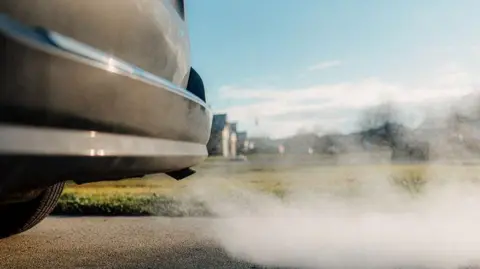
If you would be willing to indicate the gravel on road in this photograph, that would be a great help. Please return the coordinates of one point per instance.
(117, 242)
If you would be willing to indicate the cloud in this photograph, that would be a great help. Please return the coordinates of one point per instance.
(282, 111)
(325, 65)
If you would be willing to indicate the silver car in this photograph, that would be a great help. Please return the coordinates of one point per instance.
(92, 91)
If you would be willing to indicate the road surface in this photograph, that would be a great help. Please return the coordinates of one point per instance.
(116, 243)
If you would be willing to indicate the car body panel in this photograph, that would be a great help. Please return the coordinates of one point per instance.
(149, 34)
(95, 103)
(47, 86)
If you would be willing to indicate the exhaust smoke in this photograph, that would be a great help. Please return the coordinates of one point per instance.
(352, 216)
(378, 227)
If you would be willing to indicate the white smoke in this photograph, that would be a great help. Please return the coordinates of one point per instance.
(379, 227)
(354, 219)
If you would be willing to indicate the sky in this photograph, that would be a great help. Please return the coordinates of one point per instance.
(315, 65)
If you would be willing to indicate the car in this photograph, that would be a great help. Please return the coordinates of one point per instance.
(93, 91)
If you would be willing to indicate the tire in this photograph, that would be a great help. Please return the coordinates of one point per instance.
(195, 84)
(20, 217)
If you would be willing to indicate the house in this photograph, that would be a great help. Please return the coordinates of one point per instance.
(242, 142)
(218, 135)
(223, 137)
(233, 127)
(225, 140)
(233, 139)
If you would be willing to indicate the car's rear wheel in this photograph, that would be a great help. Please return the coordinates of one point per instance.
(19, 217)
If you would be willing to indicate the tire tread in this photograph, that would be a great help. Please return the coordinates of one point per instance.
(47, 204)
(18, 218)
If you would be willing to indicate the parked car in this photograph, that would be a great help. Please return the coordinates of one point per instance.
(93, 91)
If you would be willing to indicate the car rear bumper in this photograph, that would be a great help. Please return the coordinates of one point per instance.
(35, 141)
(36, 157)
(69, 91)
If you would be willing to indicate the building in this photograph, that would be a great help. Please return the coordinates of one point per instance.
(219, 131)
(224, 138)
(242, 142)
(233, 127)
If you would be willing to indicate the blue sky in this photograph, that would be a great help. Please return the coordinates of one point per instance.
(315, 65)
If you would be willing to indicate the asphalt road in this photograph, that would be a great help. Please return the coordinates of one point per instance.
(116, 243)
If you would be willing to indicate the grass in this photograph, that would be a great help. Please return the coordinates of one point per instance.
(129, 205)
(158, 195)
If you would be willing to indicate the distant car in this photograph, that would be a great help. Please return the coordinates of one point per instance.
(93, 91)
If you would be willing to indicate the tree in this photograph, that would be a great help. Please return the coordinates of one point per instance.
(380, 126)
(378, 116)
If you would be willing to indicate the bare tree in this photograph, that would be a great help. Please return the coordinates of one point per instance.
(380, 125)
(377, 116)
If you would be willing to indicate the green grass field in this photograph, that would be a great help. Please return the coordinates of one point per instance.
(158, 195)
